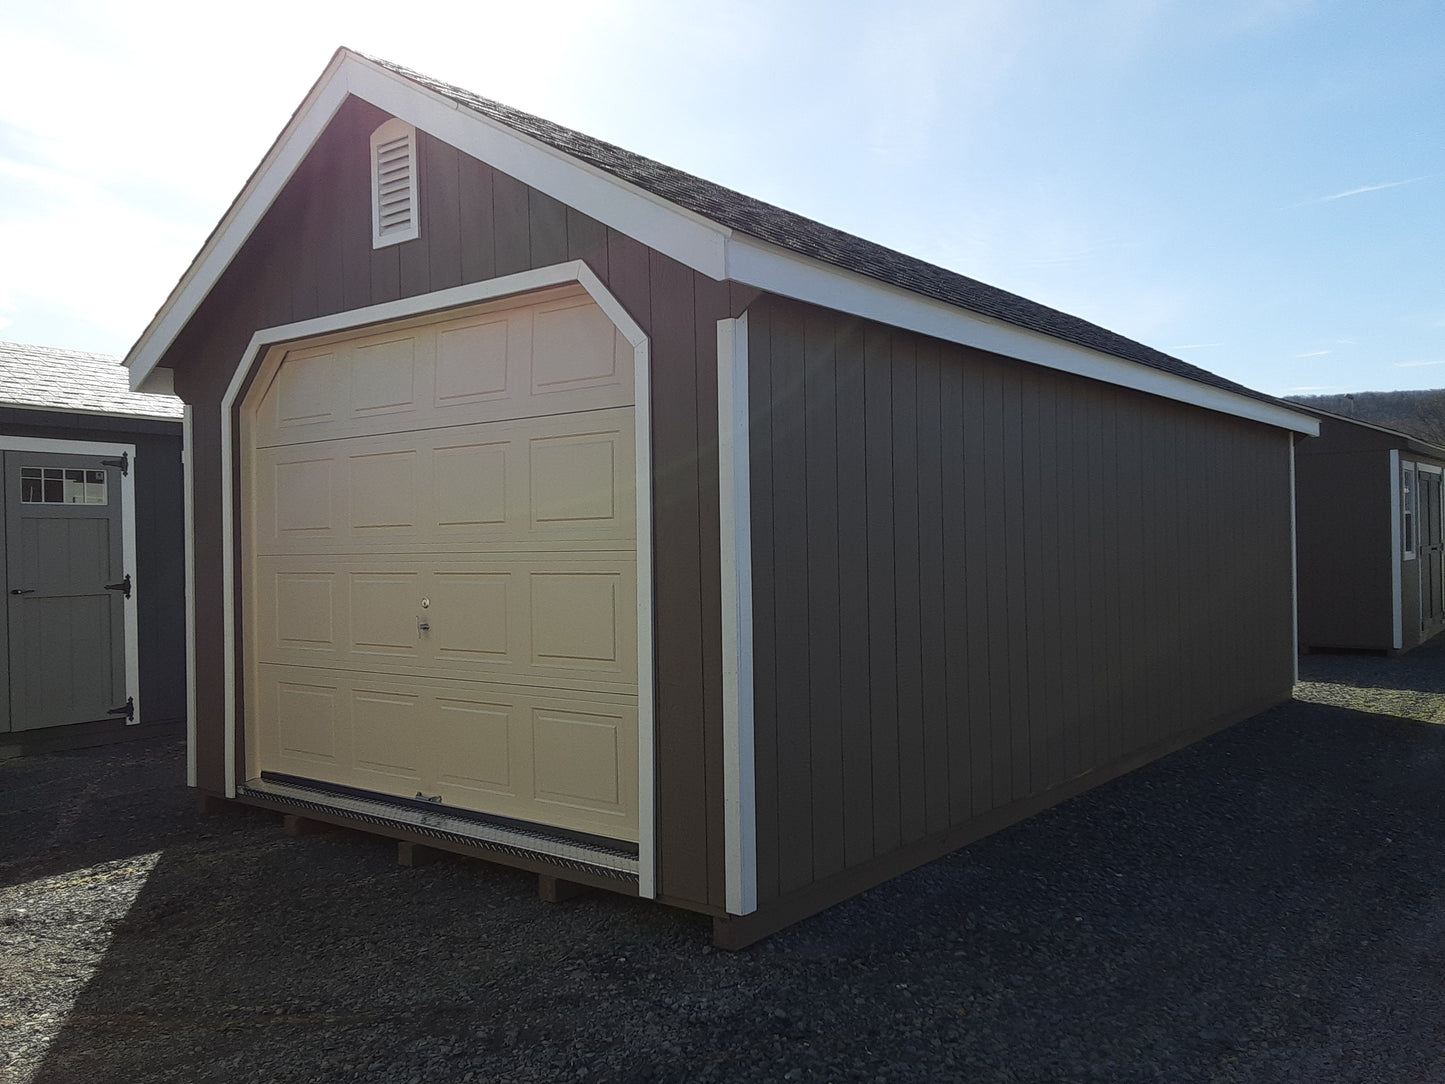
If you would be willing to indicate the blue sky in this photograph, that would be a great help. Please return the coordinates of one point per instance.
(1257, 186)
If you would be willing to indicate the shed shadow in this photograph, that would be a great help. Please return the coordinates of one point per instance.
(1270, 893)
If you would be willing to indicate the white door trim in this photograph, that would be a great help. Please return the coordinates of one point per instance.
(740, 820)
(58, 446)
(574, 271)
(1397, 542)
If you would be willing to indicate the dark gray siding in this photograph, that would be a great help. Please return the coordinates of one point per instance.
(979, 585)
(311, 256)
(1345, 548)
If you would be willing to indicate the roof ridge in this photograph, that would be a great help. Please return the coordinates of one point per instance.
(808, 237)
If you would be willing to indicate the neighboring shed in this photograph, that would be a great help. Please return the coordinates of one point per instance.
(556, 506)
(93, 645)
(1371, 538)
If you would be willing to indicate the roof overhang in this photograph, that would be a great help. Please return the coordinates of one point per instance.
(697, 242)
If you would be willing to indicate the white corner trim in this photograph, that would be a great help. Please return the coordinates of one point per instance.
(1293, 558)
(58, 446)
(574, 271)
(1397, 602)
(735, 518)
(188, 491)
(768, 267)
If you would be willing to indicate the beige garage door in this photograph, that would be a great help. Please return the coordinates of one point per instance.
(440, 563)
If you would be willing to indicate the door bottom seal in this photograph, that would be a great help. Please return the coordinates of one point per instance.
(515, 841)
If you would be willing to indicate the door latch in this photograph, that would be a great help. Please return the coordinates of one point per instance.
(123, 586)
(127, 709)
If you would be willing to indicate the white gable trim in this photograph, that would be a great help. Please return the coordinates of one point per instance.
(689, 238)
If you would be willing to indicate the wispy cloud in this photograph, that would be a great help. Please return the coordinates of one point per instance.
(1417, 364)
(1315, 354)
(1368, 188)
(1197, 346)
(1305, 389)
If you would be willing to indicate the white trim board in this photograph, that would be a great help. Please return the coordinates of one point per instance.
(697, 242)
(574, 271)
(1397, 602)
(58, 446)
(735, 519)
(1293, 557)
(188, 487)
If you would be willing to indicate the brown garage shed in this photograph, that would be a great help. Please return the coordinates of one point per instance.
(556, 506)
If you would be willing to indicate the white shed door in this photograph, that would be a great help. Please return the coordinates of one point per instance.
(440, 589)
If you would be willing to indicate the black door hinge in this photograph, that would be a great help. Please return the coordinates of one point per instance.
(123, 587)
(127, 709)
(123, 463)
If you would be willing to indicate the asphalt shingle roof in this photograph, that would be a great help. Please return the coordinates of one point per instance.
(47, 378)
(806, 237)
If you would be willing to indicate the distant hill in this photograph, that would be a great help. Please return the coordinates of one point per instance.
(1421, 414)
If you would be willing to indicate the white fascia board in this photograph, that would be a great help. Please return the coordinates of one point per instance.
(757, 263)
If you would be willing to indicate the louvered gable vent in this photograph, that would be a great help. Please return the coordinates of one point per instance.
(394, 211)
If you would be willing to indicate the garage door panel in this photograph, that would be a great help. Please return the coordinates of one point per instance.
(384, 377)
(476, 622)
(469, 485)
(387, 738)
(578, 620)
(480, 761)
(563, 759)
(381, 490)
(382, 615)
(490, 364)
(472, 363)
(560, 482)
(536, 618)
(575, 348)
(304, 732)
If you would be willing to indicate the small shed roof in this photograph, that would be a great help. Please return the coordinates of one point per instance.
(75, 382)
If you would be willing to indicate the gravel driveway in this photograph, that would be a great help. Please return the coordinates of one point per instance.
(1264, 906)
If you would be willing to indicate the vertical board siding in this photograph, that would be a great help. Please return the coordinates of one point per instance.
(977, 581)
(311, 255)
(765, 581)
(854, 679)
(820, 443)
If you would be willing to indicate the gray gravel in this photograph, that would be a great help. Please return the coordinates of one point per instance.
(1265, 906)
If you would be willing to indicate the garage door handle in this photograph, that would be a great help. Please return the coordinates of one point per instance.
(123, 587)
(22, 590)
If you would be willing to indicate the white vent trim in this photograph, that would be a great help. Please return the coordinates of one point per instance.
(395, 214)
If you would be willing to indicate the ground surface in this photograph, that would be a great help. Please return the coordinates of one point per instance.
(1268, 905)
